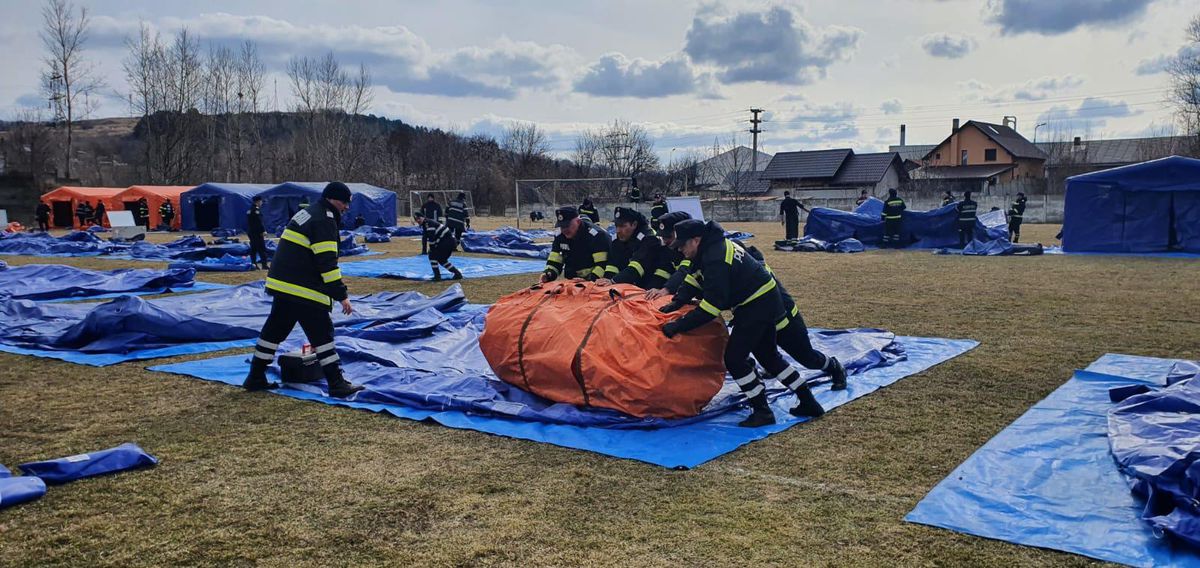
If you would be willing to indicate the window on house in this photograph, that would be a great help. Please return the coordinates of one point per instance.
(937, 156)
(989, 155)
(964, 158)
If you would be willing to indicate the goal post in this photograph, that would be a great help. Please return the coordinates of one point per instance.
(417, 198)
(546, 195)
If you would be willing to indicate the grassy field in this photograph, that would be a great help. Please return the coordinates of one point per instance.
(257, 479)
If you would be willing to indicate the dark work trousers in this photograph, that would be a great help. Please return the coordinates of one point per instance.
(258, 248)
(891, 232)
(166, 221)
(966, 233)
(44, 225)
(318, 328)
(794, 341)
(792, 225)
(457, 228)
(440, 255)
(1014, 230)
(424, 242)
(758, 338)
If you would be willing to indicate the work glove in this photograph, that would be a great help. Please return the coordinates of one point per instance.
(670, 307)
(671, 328)
(547, 277)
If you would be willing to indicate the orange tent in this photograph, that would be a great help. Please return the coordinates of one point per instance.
(155, 196)
(64, 200)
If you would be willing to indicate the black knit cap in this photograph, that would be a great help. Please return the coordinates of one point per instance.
(336, 190)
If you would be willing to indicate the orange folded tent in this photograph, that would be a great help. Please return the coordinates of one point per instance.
(64, 200)
(155, 196)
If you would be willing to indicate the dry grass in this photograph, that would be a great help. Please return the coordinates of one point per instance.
(255, 479)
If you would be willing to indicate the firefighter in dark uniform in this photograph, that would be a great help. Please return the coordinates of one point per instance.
(457, 216)
(638, 256)
(579, 251)
(734, 280)
(789, 210)
(657, 211)
(635, 194)
(143, 213)
(586, 209)
(862, 198)
(43, 217)
(431, 210)
(254, 232)
(893, 219)
(441, 245)
(305, 281)
(1015, 213)
(947, 198)
(966, 219)
(83, 212)
(678, 262)
(98, 216)
(166, 212)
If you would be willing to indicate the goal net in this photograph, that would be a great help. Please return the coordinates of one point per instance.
(545, 195)
(416, 199)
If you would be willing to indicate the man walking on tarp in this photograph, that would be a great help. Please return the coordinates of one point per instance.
(431, 210)
(947, 198)
(43, 217)
(789, 213)
(304, 282)
(1015, 213)
(457, 216)
(98, 216)
(893, 219)
(441, 245)
(586, 209)
(735, 280)
(657, 211)
(580, 250)
(254, 232)
(166, 213)
(637, 257)
(966, 220)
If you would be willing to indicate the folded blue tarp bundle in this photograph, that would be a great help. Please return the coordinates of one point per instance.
(506, 241)
(406, 231)
(222, 233)
(997, 247)
(417, 267)
(377, 238)
(78, 243)
(130, 328)
(1049, 479)
(3, 265)
(810, 244)
(54, 281)
(738, 235)
(921, 229)
(430, 367)
(17, 490)
(227, 263)
(347, 246)
(72, 468)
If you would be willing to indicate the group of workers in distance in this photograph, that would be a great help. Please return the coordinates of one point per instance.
(692, 261)
(89, 216)
(968, 209)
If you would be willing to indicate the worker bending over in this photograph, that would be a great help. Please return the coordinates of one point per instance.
(580, 250)
(734, 280)
(637, 257)
(441, 245)
(304, 282)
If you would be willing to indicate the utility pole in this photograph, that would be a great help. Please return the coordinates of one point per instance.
(754, 130)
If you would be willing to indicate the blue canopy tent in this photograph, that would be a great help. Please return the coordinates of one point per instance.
(217, 205)
(920, 229)
(1148, 207)
(376, 204)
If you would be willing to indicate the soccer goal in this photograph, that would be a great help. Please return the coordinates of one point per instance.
(418, 198)
(545, 195)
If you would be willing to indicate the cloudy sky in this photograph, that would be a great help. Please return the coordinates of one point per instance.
(830, 74)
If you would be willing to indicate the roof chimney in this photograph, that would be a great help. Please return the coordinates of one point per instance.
(902, 128)
(955, 127)
(1011, 122)
(1078, 142)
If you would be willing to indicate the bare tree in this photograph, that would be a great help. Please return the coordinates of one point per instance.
(28, 145)
(526, 145)
(144, 66)
(68, 80)
(1185, 83)
(335, 143)
(622, 149)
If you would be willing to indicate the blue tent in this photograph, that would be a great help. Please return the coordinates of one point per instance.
(920, 229)
(376, 204)
(1148, 207)
(217, 205)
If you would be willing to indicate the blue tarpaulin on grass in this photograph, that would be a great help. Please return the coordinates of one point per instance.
(920, 229)
(71, 468)
(227, 263)
(78, 243)
(130, 328)
(506, 241)
(431, 368)
(1183, 255)
(417, 267)
(810, 244)
(997, 247)
(17, 490)
(54, 281)
(1049, 479)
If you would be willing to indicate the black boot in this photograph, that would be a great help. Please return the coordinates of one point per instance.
(761, 414)
(256, 380)
(808, 405)
(437, 274)
(837, 372)
(341, 388)
(457, 274)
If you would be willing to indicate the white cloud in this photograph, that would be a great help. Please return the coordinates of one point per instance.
(947, 46)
